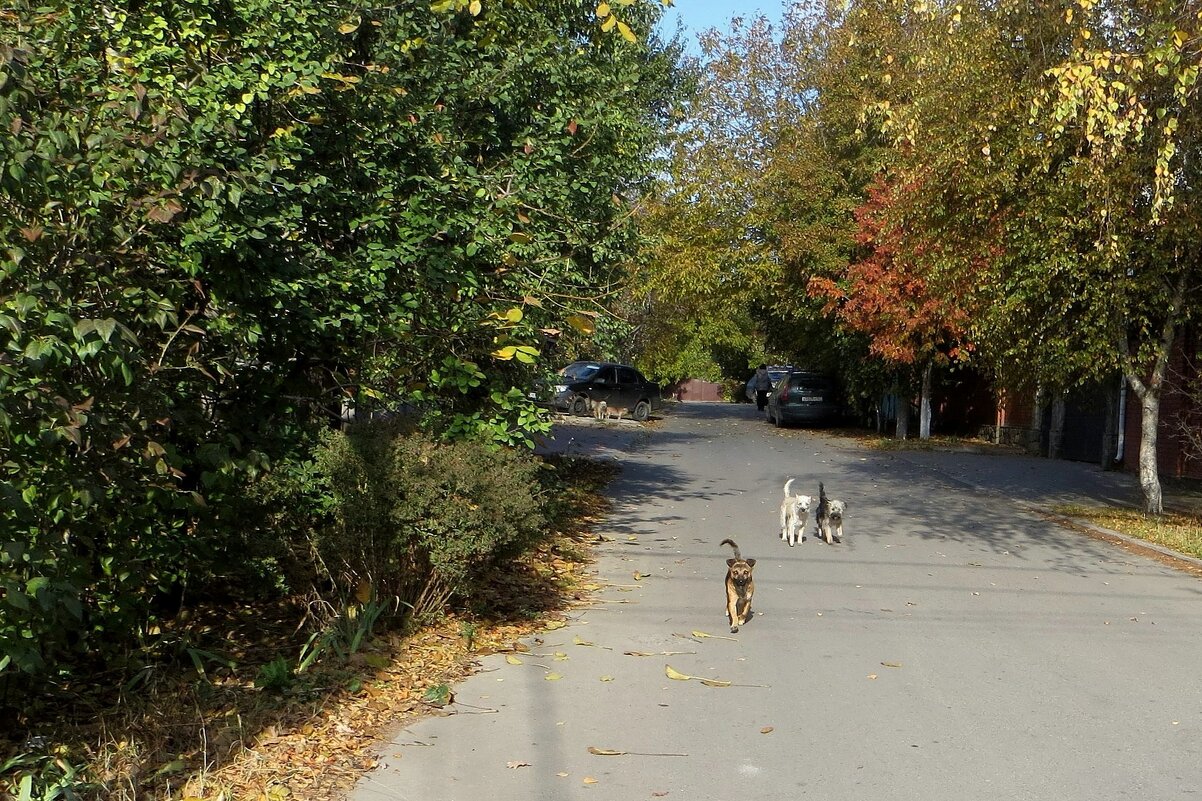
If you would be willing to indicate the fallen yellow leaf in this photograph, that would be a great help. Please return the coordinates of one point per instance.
(513, 660)
(607, 678)
(703, 635)
(577, 641)
(604, 751)
(716, 683)
(552, 677)
(892, 664)
(589, 780)
(767, 730)
(672, 673)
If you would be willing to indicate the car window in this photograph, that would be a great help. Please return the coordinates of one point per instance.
(605, 375)
(627, 375)
(580, 371)
(810, 383)
(777, 372)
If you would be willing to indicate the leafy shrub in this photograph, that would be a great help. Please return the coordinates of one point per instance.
(388, 513)
(734, 390)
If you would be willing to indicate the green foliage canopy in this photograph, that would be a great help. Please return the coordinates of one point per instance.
(223, 226)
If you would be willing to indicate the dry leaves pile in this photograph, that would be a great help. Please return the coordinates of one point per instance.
(323, 756)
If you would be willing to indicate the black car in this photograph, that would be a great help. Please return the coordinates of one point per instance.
(803, 397)
(619, 385)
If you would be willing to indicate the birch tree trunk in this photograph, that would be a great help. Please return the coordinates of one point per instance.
(1149, 470)
(1148, 395)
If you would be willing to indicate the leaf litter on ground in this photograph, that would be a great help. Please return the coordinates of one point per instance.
(676, 675)
(701, 635)
(592, 749)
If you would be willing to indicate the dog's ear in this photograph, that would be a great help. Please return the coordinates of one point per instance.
(751, 563)
(730, 562)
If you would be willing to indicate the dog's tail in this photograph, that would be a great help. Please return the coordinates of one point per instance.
(732, 544)
(788, 484)
(821, 494)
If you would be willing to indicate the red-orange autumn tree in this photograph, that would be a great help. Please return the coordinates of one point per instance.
(888, 294)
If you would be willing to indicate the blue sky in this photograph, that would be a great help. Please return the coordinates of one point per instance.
(699, 15)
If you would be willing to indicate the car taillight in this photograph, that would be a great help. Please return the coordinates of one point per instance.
(784, 396)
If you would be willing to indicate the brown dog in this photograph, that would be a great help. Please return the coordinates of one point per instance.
(618, 411)
(740, 586)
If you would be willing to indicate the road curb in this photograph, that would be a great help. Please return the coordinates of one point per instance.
(1186, 561)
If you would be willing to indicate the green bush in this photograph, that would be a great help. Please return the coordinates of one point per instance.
(734, 390)
(393, 514)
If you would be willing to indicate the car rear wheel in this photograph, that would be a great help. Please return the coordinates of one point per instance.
(642, 410)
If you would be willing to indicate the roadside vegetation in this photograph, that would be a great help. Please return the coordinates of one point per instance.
(249, 706)
(274, 283)
(1177, 531)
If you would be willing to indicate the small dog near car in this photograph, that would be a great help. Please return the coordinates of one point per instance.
(617, 411)
(600, 409)
(829, 517)
(794, 510)
(740, 586)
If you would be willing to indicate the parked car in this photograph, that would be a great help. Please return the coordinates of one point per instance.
(775, 371)
(616, 384)
(802, 396)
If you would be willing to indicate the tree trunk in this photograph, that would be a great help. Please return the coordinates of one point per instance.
(1056, 434)
(924, 403)
(903, 416)
(1035, 433)
(1110, 432)
(1149, 401)
(1149, 471)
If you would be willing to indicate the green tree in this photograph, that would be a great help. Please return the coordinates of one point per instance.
(1032, 130)
(225, 227)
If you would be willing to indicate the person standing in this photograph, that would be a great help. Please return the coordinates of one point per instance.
(761, 382)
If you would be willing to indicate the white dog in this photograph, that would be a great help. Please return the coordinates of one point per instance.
(794, 510)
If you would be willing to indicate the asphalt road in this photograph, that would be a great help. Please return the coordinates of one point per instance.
(955, 646)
